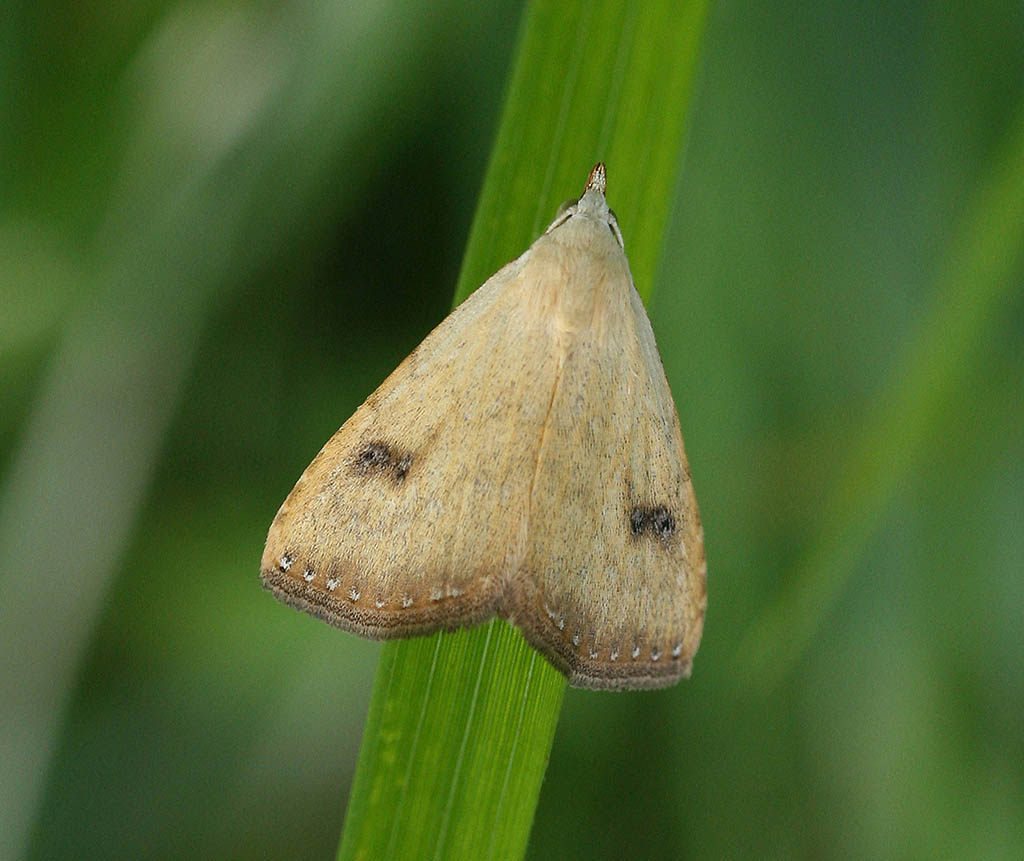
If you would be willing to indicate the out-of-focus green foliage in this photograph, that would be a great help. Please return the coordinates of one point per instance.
(196, 288)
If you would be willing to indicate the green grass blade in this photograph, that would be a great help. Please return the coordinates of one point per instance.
(454, 740)
(461, 724)
(593, 82)
(976, 279)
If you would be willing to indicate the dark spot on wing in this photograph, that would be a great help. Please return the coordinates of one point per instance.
(656, 520)
(379, 458)
(373, 455)
(402, 466)
(662, 522)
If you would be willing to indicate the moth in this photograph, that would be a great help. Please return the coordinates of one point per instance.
(524, 461)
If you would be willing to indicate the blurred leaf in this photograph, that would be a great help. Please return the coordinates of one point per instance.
(974, 286)
(39, 283)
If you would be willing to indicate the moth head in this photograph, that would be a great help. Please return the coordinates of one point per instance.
(591, 204)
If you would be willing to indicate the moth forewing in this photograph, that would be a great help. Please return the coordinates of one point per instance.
(400, 526)
(613, 586)
(525, 460)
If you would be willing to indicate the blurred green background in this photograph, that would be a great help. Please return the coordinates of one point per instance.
(222, 224)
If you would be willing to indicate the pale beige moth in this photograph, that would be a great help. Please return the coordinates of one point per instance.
(525, 461)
